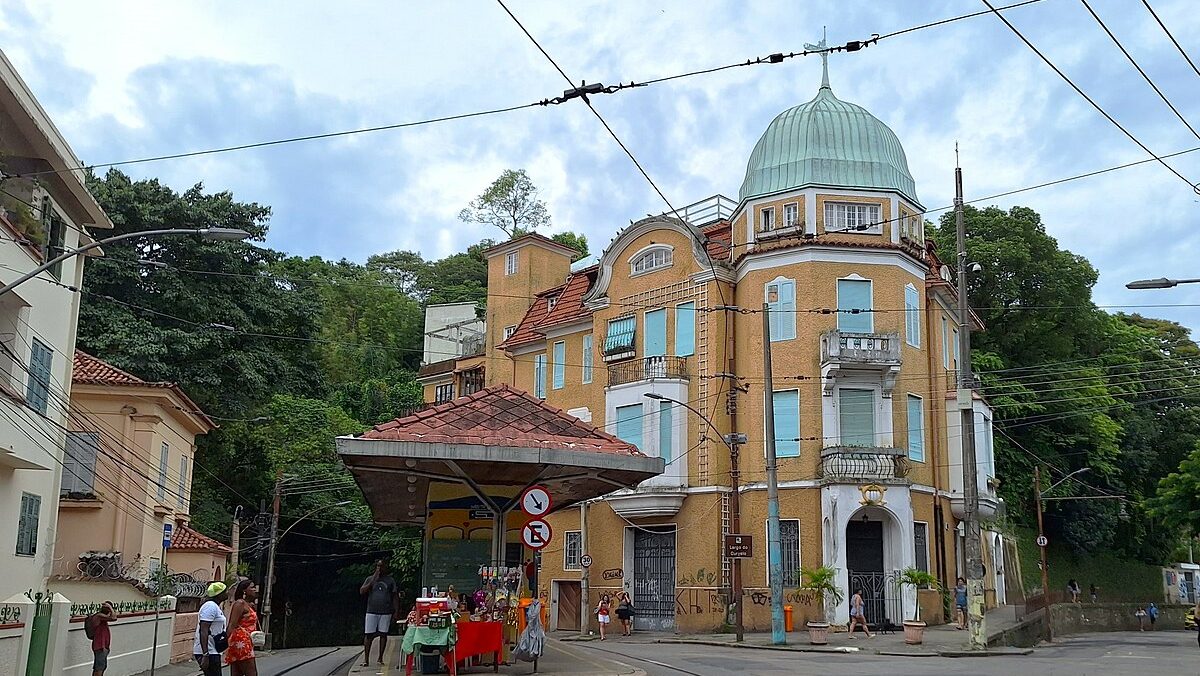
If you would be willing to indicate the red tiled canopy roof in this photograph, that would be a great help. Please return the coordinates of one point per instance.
(187, 539)
(501, 416)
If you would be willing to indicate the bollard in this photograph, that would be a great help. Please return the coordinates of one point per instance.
(787, 619)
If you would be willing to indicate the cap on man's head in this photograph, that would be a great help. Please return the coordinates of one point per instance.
(215, 589)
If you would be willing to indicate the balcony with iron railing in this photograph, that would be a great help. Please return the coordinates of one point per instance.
(647, 368)
(860, 351)
(864, 463)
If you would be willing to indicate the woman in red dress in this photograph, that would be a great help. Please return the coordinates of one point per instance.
(244, 621)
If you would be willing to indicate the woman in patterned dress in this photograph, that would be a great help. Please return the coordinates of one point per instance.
(243, 619)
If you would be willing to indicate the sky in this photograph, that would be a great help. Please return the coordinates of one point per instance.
(135, 79)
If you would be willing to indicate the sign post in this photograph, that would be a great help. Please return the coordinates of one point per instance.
(158, 582)
(739, 546)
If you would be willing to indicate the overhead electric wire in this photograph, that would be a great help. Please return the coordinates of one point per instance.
(1090, 100)
(1166, 30)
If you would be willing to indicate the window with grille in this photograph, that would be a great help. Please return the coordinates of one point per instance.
(845, 217)
(510, 263)
(651, 260)
(789, 548)
(572, 550)
(37, 392)
(921, 543)
(79, 463)
(791, 215)
(27, 524)
(443, 393)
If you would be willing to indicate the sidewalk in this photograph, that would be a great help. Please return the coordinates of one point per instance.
(559, 660)
(940, 640)
(269, 663)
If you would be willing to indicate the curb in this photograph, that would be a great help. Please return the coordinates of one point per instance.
(1009, 652)
(749, 646)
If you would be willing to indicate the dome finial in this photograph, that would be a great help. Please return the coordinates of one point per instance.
(822, 47)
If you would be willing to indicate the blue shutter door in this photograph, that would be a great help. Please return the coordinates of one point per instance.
(856, 414)
(560, 358)
(912, 316)
(539, 376)
(916, 429)
(587, 359)
(787, 310)
(655, 344)
(664, 430)
(854, 294)
(685, 329)
(629, 424)
(787, 423)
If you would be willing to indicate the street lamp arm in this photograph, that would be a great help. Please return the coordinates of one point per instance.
(208, 233)
(310, 513)
(659, 397)
(1056, 484)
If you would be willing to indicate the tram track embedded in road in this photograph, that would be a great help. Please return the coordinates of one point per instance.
(634, 658)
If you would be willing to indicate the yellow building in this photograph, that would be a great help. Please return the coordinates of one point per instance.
(827, 235)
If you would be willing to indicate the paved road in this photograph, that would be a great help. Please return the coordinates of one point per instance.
(1134, 654)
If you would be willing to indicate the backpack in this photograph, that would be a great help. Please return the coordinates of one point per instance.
(89, 628)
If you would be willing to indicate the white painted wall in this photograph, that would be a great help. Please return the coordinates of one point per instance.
(447, 326)
(132, 641)
(634, 393)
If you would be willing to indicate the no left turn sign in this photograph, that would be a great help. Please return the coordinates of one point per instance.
(536, 534)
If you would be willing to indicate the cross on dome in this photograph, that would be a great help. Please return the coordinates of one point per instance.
(822, 47)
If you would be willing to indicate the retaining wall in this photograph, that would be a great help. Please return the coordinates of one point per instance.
(1082, 618)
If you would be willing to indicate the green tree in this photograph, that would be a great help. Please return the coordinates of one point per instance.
(577, 242)
(1178, 499)
(510, 203)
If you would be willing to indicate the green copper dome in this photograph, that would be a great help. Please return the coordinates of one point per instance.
(827, 142)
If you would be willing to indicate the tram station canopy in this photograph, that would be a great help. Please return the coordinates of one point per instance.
(491, 442)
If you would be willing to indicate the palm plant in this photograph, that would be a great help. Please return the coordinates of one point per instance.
(823, 580)
(916, 578)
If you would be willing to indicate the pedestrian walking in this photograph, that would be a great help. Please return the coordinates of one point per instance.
(1140, 614)
(98, 631)
(1152, 613)
(1073, 590)
(383, 602)
(1092, 591)
(602, 614)
(858, 615)
(243, 619)
(211, 637)
(960, 602)
(625, 613)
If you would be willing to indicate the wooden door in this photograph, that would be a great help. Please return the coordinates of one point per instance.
(568, 606)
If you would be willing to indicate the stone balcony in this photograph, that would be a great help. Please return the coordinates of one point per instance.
(842, 350)
(856, 464)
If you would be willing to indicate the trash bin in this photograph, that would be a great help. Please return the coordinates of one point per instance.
(787, 619)
(431, 660)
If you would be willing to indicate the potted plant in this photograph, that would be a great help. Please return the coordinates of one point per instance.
(914, 629)
(823, 581)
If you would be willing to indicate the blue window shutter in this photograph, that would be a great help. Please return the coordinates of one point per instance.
(916, 429)
(773, 294)
(685, 329)
(912, 316)
(655, 341)
(854, 294)
(587, 358)
(629, 424)
(560, 366)
(37, 393)
(856, 416)
(664, 430)
(539, 376)
(787, 310)
(787, 423)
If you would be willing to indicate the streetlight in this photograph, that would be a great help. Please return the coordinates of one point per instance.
(266, 602)
(731, 440)
(206, 234)
(1160, 283)
(1081, 470)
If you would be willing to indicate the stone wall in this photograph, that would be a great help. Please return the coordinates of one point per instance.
(1081, 618)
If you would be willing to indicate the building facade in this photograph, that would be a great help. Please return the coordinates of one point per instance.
(45, 209)
(661, 343)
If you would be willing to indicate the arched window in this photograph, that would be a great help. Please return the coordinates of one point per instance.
(650, 259)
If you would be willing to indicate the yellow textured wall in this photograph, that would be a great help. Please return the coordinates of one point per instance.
(509, 296)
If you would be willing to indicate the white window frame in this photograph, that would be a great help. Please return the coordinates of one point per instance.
(539, 375)
(551, 302)
(651, 259)
(799, 548)
(912, 317)
(766, 216)
(588, 359)
(578, 537)
(791, 215)
(509, 331)
(511, 264)
(864, 213)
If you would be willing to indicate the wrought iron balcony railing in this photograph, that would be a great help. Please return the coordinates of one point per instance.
(862, 463)
(647, 368)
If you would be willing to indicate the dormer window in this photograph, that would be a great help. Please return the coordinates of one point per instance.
(551, 303)
(853, 218)
(651, 259)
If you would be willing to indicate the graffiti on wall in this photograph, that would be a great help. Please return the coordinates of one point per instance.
(701, 578)
(613, 574)
(698, 601)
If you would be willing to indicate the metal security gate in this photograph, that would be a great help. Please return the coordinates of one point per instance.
(654, 579)
(881, 597)
(35, 665)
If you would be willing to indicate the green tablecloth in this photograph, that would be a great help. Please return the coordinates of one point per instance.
(415, 637)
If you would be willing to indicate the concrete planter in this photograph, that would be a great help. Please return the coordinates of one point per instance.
(914, 632)
(818, 633)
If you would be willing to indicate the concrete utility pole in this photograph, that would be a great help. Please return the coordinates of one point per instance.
(966, 407)
(735, 524)
(1037, 497)
(774, 549)
(266, 605)
(235, 541)
(585, 589)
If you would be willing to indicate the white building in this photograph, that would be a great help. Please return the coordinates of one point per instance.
(47, 213)
(452, 330)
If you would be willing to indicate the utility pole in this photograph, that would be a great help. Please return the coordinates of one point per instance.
(266, 623)
(585, 608)
(966, 406)
(1037, 498)
(774, 550)
(235, 540)
(735, 524)
(161, 575)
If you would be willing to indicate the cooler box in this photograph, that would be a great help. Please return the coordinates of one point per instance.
(428, 605)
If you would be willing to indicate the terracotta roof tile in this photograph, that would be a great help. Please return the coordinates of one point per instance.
(568, 307)
(187, 539)
(720, 240)
(501, 416)
(530, 236)
(89, 370)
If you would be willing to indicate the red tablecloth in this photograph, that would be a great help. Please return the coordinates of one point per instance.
(479, 638)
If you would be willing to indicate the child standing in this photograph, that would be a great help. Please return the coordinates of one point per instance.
(602, 614)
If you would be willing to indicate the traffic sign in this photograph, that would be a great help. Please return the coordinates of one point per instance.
(535, 501)
(1042, 541)
(166, 536)
(536, 534)
(739, 546)
(585, 561)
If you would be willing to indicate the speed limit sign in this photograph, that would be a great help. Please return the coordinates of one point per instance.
(1042, 541)
(585, 561)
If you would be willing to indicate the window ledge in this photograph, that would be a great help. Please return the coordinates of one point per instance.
(161, 510)
(80, 503)
(643, 273)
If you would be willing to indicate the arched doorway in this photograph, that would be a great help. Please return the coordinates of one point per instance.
(873, 559)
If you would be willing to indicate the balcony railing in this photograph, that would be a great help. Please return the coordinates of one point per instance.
(854, 463)
(647, 368)
(861, 348)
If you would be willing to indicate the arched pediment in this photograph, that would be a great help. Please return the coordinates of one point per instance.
(616, 255)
